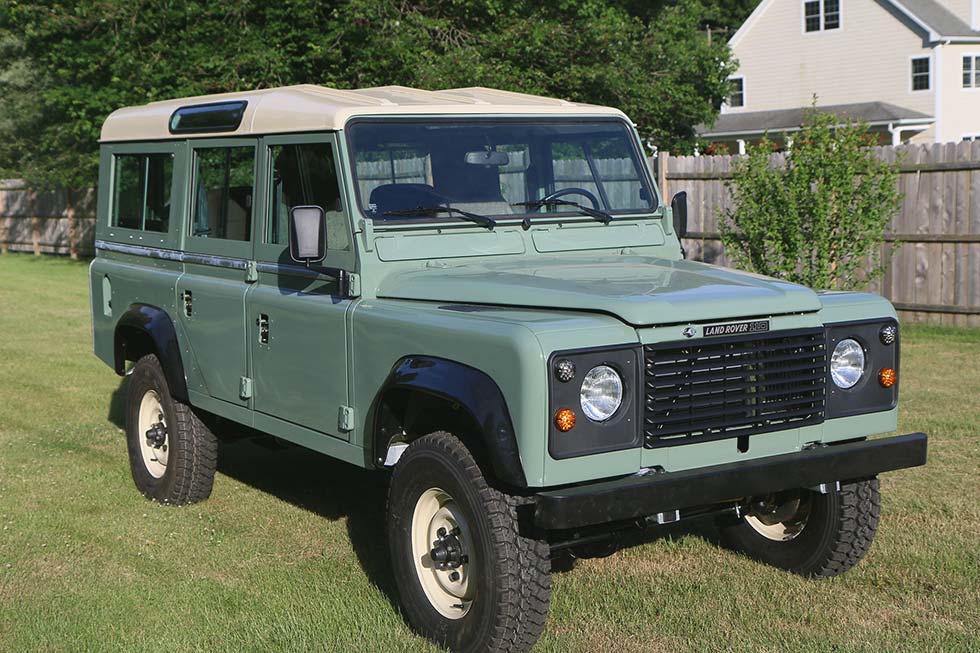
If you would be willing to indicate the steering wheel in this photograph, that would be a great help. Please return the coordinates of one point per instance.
(572, 191)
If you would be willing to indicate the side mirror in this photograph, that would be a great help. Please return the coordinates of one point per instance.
(678, 207)
(307, 234)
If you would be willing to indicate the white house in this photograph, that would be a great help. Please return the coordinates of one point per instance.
(909, 68)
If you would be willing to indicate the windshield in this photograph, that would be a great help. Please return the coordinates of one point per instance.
(497, 168)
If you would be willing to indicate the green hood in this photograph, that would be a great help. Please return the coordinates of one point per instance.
(639, 290)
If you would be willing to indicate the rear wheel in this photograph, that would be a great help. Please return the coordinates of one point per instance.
(811, 534)
(466, 576)
(172, 454)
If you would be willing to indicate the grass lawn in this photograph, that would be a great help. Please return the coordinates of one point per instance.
(289, 554)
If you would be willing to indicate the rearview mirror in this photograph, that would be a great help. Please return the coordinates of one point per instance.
(678, 208)
(487, 158)
(307, 234)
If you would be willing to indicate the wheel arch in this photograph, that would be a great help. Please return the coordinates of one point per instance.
(426, 393)
(145, 329)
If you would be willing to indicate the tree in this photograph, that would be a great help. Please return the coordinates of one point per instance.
(89, 57)
(820, 219)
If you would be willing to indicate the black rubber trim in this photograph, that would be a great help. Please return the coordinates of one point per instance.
(157, 324)
(638, 496)
(475, 392)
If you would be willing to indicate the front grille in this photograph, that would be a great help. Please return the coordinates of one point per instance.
(711, 389)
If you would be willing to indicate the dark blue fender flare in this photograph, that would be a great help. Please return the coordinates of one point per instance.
(475, 392)
(156, 323)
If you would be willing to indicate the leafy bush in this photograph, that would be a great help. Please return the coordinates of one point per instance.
(818, 220)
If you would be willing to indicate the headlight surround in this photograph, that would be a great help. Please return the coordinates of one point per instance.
(601, 394)
(847, 363)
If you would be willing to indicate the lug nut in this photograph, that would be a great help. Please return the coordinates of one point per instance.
(454, 576)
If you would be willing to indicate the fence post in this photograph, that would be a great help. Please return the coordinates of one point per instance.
(663, 158)
(3, 220)
(72, 226)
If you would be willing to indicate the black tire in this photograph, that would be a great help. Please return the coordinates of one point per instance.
(192, 450)
(512, 572)
(837, 534)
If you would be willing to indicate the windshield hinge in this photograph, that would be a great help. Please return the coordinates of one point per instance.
(366, 234)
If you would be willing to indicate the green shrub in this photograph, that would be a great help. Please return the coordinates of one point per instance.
(819, 219)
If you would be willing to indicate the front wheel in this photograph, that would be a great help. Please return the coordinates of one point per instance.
(466, 576)
(807, 533)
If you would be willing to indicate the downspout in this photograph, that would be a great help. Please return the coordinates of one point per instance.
(937, 93)
(896, 133)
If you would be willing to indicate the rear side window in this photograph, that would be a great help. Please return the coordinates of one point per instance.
(223, 179)
(141, 191)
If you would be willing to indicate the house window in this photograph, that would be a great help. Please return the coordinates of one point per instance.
(821, 15)
(737, 97)
(920, 74)
(971, 71)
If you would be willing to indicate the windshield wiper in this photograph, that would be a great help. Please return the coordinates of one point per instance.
(481, 220)
(600, 216)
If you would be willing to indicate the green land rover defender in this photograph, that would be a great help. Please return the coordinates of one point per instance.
(482, 294)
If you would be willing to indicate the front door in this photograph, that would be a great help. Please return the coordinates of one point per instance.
(211, 292)
(297, 316)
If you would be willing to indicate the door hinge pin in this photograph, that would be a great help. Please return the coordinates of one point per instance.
(245, 388)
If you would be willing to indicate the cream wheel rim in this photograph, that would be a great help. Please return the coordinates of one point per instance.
(782, 521)
(442, 553)
(151, 419)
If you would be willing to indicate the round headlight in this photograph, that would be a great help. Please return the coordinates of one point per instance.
(602, 393)
(847, 363)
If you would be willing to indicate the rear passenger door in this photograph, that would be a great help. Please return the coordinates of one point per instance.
(297, 315)
(218, 248)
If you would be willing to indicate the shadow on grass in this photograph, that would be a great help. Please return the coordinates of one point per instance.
(322, 485)
(330, 488)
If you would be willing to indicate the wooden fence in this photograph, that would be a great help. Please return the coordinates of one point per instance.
(46, 222)
(934, 276)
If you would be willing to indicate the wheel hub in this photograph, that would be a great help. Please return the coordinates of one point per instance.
(153, 435)
(447, 550)
(779, 517)
(442, 553)
(156, 435)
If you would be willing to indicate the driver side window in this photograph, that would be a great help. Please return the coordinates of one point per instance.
(304, 175)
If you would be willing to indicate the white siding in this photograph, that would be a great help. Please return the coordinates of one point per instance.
(866, 60)
(959, 107)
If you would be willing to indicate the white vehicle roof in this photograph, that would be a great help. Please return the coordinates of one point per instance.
(317, 108)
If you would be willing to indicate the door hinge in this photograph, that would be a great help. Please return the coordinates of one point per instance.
(345, 418)
(251, 272)
(245, 388)
(353, 285)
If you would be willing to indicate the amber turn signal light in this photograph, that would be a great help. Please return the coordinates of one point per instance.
(565, 419)
(887, 377)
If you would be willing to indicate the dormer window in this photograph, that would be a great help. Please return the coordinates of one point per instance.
(820, 15)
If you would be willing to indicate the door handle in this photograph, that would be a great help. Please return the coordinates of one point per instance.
(262, 321)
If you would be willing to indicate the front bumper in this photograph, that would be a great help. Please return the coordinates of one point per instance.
(639, 496)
